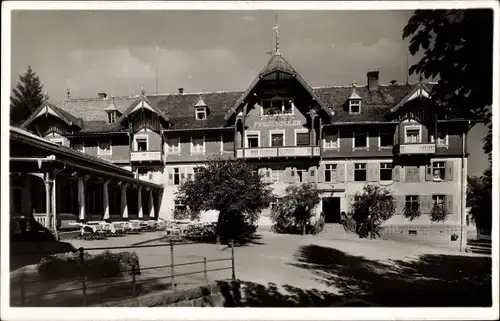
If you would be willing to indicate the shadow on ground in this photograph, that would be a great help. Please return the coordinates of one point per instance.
(429, 281)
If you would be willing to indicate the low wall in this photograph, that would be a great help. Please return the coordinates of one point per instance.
(210, 295)
(443, 235)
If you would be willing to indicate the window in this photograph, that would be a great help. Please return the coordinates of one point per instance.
(177, 176)
(201, 113)
(360, 140)
(354, 106)
(442, 138)
(386, 172)
(198, 145)
(359, 172)
(275, 175)
(277, 139)
(412, 135)
(173, 145)
(78, 147)
(252, 140)
(179, 209)
(386, 139)
(330, 172)
(277, 106)
(302, 138)
(104, 148)
(141, 144)
(438, 200)
(112, 117)
(411, 201)
(438, 171)
(331, 141)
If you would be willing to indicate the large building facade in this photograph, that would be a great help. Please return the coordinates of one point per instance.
(340, 138)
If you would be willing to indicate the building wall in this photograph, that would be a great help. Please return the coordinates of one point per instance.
(216, 144)
(154, 139)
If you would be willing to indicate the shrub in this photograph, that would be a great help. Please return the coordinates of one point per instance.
(371, 208)
(105, 264)
(201, 233)
(411, 212)
(438, 213)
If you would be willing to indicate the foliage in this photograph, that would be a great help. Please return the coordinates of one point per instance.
(411, 212)
(319, 226)
(371, 208)
(480, 201)
(296, 209)
(201, 232)
(105, 264)
(233, 189)
(458, 49)
(26, 97)
(438, 213)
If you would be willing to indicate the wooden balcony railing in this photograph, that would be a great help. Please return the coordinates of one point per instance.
(285, 151)
(417, 149)
(146, 156)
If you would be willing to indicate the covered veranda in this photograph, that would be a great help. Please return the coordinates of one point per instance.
(57, 185)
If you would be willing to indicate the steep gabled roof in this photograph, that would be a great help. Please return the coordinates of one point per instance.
(276, 63)
(141, 99)
(420, 90)
(47, 107)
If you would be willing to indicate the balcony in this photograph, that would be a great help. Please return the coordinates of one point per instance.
(292, 151)
(146, 156)
(417, 149)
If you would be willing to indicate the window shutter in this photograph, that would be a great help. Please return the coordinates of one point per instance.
(341, 172)
(396, 173)
(400, 204)
(448, 171)
(376, 172)
(449, 203)
(419, 174)
(312, 174)
(321, 174)
(170, 177)
(372, 169)
(428, 173)
(408, 174)
(350, 172)
(302, 139)
(262, 173)
(425, 204)
(183, 176)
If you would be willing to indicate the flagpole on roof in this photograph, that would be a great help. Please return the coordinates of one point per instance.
(277, 33)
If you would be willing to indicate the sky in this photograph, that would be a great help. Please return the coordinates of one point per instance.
(117, 52)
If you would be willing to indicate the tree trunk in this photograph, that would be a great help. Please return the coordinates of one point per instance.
(303, 229)
(219, 227)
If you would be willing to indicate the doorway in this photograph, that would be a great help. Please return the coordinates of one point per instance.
(331, 209)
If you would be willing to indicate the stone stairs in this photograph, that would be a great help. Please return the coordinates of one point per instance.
(335, 231)
(479, 246)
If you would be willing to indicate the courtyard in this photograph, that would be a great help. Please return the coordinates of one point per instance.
(292, 270)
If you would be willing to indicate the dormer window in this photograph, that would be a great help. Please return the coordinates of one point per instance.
(201, 113)
(112, 117)
(354, 106)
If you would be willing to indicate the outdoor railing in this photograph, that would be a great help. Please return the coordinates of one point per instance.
(282, 151)
(132, 287)
(150, 155)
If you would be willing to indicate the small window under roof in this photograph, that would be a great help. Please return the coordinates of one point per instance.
(200, 110)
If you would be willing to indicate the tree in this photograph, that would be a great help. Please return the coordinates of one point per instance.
(371, 208)
(296, 208)
(234, 189)
(458, 49)
(26, 97)
(479, 200)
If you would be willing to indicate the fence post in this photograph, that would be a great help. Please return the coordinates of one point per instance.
(172, 272)
(21, 285)
(84, 279)
(232, 259)
(134, 293)
(205, 269)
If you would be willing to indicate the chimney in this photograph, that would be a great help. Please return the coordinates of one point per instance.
(372, 80)
(181, 90)
(102, 95)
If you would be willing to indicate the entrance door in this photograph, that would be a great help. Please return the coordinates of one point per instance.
(331, 209)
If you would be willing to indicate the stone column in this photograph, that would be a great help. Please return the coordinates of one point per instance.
(123, 202)
(139, 202)
(312, 133)
(105, 197)
(48, 201)
(151, 204)
(81, 198)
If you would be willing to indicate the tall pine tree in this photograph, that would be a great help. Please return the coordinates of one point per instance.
(26, 97)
